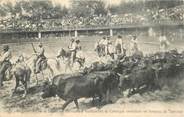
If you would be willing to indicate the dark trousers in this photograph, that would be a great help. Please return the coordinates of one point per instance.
(3, 67)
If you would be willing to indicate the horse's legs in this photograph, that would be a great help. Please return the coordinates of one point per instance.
(1, 80)
(76, 103)
(36, 79)
(16, 86)
(66, 103)
(42, 74)
(68, 65)
(24, 82)
(51, 70)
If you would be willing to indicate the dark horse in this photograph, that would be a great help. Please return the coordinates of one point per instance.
(67, 55)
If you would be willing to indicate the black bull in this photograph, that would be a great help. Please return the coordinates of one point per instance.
(71, 88)
(145, 78)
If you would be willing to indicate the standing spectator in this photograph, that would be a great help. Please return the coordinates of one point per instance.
(105, 43)
(164, 43)
(119, 45)
(111, 49)
(102, 47)
(133, 45)
(72, 47)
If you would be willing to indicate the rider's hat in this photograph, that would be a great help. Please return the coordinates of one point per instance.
(6, 47)
(77, 41)
(104, 37)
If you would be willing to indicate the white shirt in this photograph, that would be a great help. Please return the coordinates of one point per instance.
(111, 48)
(73, 46)
(105, 42)
(40, 51)
(118, 41)
(101, 41)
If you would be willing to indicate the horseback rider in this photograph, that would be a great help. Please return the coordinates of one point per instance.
(4, 62)
(40, 56)
(72, 48)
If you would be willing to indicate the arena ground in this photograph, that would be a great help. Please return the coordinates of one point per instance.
(154, 102)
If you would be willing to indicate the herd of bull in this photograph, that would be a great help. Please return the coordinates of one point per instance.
(137, 74)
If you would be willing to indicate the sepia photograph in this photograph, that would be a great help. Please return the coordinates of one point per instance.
(122, 57)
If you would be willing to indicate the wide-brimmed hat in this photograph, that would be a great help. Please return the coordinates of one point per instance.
(77, 41)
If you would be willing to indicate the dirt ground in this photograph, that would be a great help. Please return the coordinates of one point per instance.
(153, 102)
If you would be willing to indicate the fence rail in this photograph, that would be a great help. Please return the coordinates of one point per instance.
(99, 27)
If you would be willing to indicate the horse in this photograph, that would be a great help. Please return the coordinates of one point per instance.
(100, 49)
(66, 55)
(22, 73)
(52, 65)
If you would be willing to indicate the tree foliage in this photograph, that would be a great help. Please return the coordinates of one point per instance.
(87, 8)
(44, 9)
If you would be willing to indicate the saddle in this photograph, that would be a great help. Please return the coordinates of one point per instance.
(43, 63)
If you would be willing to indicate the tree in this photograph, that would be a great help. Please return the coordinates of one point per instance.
(87, 8)
(3, 12)
(163, 3)
(99, 8)
(131, 7)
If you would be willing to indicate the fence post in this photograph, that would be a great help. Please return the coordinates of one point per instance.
(111, 32)
(76, 33)
(39, 35)
(181, 33)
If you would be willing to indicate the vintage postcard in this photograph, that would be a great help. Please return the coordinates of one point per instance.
(92, 58)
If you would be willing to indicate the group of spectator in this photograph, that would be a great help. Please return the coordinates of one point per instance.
(149, 16)
(168, 15)
(120, 47)
(70, 22)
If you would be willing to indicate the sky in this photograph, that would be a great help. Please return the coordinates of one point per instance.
(67, 2)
